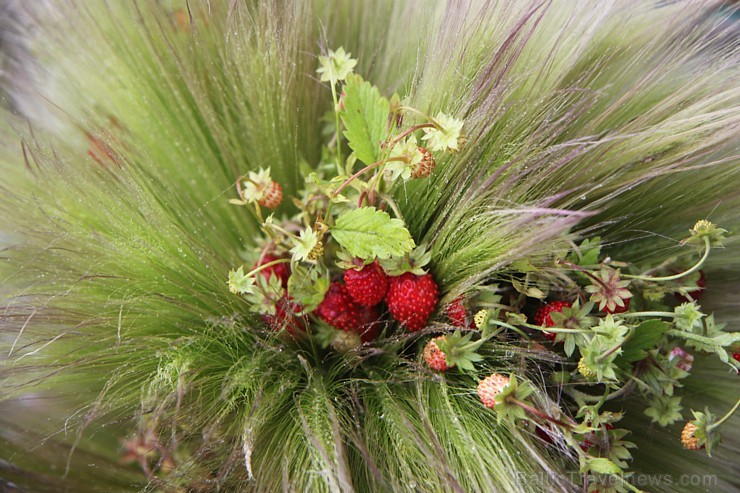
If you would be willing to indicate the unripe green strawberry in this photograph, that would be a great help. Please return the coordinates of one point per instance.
(346, 340)
(368, 285)
(411, 299)
(480, 318)
(584, 370)
(435, 358)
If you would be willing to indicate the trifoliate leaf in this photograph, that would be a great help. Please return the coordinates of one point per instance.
(368, 233)
(365, 117)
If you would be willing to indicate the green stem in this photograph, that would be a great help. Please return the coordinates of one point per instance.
(725, 417)
(556, 330)
(266, 266)
(592, 398)
(694, 337)
(611, 351)
(421, 114)
(536, 412)
(584, 271)
(365, 170)
(282, 230)
(649, 314)
(509, 326)
(413, 129)
(697, 266)
(338, 129)
(392, 204)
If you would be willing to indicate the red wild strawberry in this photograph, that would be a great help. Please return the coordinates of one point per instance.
(369, 326)
(411, 299)
(696, 294)
(339, 309)
(542, 316)
(456, 312)
(435, 358)
(736, 356)
(272, 195)
(282, 271)
(368, 285)
(284, 317)
(619, 309)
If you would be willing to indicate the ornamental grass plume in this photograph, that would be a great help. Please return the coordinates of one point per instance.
(187, 184)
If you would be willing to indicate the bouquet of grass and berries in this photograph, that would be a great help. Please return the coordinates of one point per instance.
(343, 278)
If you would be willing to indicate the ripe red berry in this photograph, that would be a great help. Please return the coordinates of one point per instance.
(272, 195)
(285, 317)
(282, 271)
(412, 299)
(339, 309)
(435, 358)
(696, 294)
(736, 356)
(368, 285)
(542, 316)
(369, 325)
(619, 309)
(456, 312)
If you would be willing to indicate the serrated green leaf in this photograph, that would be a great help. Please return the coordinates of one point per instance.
(365, 117)
(308, 287)
(601, 465)
(368, 233)
(646, 336)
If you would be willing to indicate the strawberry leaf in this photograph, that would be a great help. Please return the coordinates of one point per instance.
(645, 336)
(308, 287)
(368, 233)
(365, 118)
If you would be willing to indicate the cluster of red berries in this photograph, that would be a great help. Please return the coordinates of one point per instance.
(354, 304)
(543, 318)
